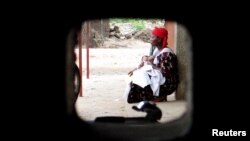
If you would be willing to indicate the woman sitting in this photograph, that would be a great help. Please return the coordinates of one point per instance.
(146, 74)
(164, 60)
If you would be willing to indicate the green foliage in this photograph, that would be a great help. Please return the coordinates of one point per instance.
(118, 20)
(137, 24)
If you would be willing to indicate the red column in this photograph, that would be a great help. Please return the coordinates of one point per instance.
(87, 49)
(171, 27)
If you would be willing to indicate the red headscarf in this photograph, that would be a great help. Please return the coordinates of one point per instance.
(161, 33)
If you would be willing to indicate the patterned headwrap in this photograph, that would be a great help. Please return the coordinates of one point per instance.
(161, 33)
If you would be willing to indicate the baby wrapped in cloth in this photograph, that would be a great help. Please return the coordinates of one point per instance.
(146, 75)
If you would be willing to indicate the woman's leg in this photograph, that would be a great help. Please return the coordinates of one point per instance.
(138, 94)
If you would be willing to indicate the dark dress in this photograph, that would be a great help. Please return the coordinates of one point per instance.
(169, 69)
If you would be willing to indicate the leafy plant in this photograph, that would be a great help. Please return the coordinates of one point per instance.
(137, 24)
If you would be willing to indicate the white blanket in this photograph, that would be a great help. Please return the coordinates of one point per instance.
(142, 79)
(157, 79)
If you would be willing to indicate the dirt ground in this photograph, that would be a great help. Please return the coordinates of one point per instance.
(103, 91)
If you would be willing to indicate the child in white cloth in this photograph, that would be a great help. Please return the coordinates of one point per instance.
(146, 74)
(145, 64)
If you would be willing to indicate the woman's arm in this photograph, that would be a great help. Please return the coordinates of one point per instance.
(139, 66)
(155, 67)
(151, 58)
(131, 72)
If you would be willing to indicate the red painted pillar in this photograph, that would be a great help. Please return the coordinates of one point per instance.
(87, 49)
(171, 27)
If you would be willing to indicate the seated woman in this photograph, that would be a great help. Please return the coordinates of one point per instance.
(166, 61)
(146, 74)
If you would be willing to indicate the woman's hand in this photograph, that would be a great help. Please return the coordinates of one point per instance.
(130, 73)
(151, 58)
